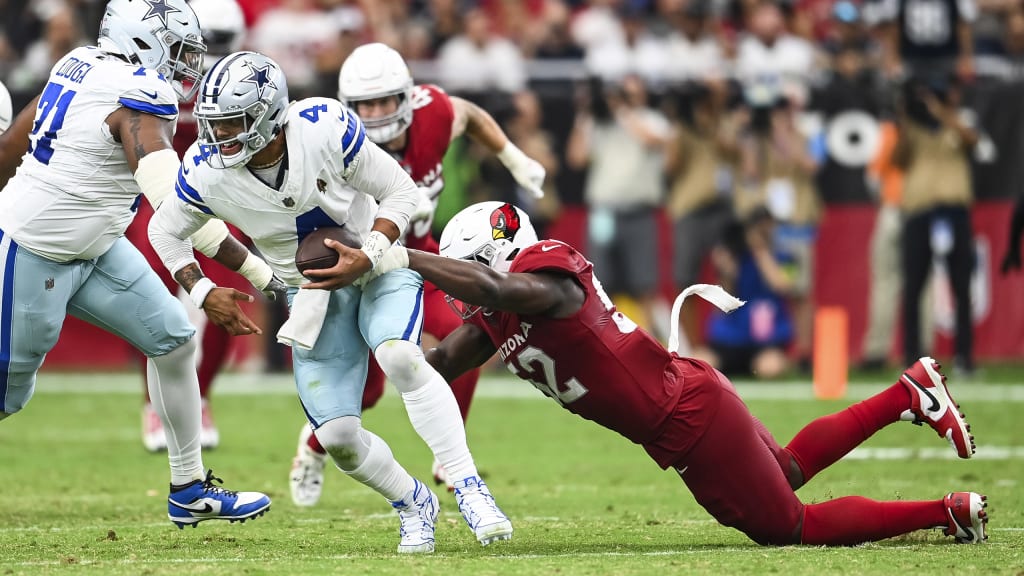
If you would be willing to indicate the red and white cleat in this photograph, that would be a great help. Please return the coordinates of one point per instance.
(967, 517)
(931, 402)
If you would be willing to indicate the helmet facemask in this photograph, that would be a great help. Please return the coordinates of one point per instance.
(384, 129)
(185, 66)
(249, 141)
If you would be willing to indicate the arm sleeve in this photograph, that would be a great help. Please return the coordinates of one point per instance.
(380, 176)
(169, 232)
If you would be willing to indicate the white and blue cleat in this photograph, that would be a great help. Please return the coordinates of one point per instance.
(481, 513)
(418, 514)
(200, 500)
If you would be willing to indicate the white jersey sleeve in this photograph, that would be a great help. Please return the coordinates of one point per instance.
(178, 218)
(373, 171)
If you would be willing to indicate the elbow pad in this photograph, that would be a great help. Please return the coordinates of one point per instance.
(156, 175)
(208, 238)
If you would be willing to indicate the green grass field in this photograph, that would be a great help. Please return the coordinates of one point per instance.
(78, 494)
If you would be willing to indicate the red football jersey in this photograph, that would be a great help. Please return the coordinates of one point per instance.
(597, 363)
(427, 142)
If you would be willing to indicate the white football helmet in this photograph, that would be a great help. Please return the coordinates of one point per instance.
(377, 71)
(223, 25)
(243, 85)
(6, 110)
(161, 35)
(491, 233)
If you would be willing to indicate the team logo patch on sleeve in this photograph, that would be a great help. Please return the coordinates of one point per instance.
(504, 222)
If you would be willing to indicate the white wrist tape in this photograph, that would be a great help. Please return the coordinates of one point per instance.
(156, 175)
(256, 271)
(375, 247)
(200, 290)
(511, 155)
(208, 238)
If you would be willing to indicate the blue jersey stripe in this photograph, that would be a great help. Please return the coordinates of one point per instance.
(357, 145)
(6, 319)
(149, 108)
(202, 207)
(187, 188)
(309, 221)
(415, 318)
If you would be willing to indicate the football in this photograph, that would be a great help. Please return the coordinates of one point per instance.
(312, 254)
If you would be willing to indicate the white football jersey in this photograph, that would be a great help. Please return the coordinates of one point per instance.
(74, 193)
(334, 174)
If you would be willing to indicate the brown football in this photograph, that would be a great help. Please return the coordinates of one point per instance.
(313, 255)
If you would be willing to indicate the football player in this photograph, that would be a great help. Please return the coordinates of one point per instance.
(278, 171)
(223, 26)
(540, 307)
(98, 136)
(415, 124)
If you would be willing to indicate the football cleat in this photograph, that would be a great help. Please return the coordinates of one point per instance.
(153, 437)
(441, 476)
(200, 500)
(481, 513)
(306, 479)
(967, 517)
(418, 514)
(209, 436)
(931, 402)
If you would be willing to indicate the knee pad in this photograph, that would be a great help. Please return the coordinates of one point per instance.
(404, 364)
(343, 440)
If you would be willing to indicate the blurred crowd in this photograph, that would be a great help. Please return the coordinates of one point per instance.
(736, 119)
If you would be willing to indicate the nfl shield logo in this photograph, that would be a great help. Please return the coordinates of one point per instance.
(48, 284)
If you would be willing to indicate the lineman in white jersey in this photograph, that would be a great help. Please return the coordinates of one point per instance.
(279, 171)
(108, 112)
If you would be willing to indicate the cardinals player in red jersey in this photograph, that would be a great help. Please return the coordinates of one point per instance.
(540, 307)
(223, 28)
(415, 124)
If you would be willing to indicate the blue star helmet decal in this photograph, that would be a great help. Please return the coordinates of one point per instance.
(261, 78)
(159, 9)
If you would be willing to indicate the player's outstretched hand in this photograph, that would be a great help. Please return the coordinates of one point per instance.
(352, 263)
(530, 175)
(221, 307)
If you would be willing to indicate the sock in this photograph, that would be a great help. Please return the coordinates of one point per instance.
(380, 471)
(174, 392)
(313, 444)
(854, 519)
(216, 343)
(434, 415)
(827, 439)
(463, 388)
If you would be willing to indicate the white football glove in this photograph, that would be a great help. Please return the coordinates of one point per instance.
(422, 218)
(528, 172)
(396, 257)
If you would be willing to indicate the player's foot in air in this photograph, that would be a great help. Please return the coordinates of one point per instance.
(441, 476)
(200, 500)
(209, 436)
(931, 403)
(153, 437)
(418, 514)
(306, 479)
(481, 513)
(967, 518)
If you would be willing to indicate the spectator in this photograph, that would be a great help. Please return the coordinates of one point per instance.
(751, 340)
(621, 142)
(61, 34)
(768, 54)
(777, 171)
(295, 35)
(693, 54)
(477, 61)
(932, 150)
(927, 36)
(699, 162)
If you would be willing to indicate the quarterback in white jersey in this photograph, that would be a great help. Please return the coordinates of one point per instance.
(98, 136)
(279, 171)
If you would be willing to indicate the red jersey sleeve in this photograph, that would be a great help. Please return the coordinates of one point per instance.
(550, 255)
(433, 115)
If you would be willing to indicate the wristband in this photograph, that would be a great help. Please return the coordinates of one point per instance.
(375, 247)
(200, 290)
(511, 155)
